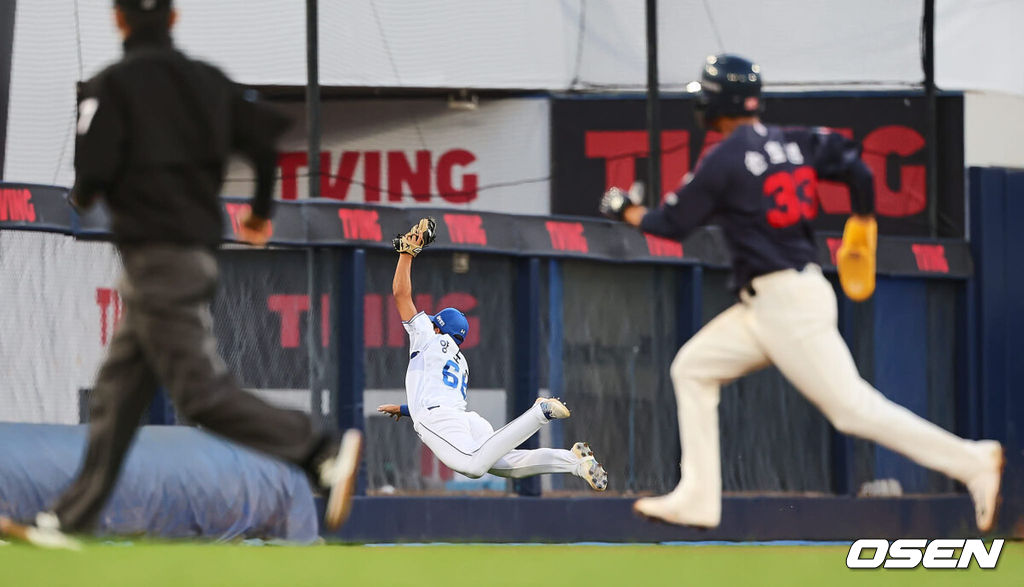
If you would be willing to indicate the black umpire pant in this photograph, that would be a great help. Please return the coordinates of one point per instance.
(165, 336)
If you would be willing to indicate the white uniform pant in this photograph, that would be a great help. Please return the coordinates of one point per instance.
(466, 443)
(791, 322)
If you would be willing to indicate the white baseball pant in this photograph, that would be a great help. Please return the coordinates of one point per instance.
(790, 322)
(468, 444)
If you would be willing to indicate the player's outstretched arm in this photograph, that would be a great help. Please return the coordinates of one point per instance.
(401, 287)
(407, 246)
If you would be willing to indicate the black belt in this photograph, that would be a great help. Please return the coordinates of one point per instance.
(749, 287)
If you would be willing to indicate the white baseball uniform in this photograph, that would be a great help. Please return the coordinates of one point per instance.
(436, 386)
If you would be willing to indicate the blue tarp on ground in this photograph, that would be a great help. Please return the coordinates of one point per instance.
(177, 482)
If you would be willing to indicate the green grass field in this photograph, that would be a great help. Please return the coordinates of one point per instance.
(189, 564)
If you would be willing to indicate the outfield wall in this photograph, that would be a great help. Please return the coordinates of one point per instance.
(294, 319)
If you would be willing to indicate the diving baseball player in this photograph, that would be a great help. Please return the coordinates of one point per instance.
(759, 185)
(437, 382)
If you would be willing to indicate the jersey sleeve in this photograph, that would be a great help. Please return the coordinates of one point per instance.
(100, 136)
(420, 330)
(692, 204)
(838, 158)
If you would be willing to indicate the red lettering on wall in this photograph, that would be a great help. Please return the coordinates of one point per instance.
(567, 236)
(109, 302)
(402, 174)
(373, 334)
(360, 224)
(289, 162)
(371, 176)
(931, 258)
(383, 325)
(663, 247)
(621, 148)
(466, 229)
(395, 330)
(336, 187)
(289, 306)
(16, 205)
(908, 196)
(833, 247)
(445, 185)
(431, 467)
(407, 174)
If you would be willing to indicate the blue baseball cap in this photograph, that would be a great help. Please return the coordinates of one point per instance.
(451, 322)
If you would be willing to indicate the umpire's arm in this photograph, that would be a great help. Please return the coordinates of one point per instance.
(99, 142)
(256, 128)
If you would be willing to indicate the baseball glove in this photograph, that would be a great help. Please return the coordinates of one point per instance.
(418, 238)
(855, 258)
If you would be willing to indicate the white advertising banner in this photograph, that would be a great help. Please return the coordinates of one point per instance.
(420, 152)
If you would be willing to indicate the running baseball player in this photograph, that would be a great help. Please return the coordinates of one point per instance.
(437, 384)
(759, 184)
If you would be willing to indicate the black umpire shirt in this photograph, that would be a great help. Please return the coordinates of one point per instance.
(154, 134)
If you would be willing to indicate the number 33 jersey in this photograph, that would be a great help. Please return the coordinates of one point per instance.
(438, 372)
(760, 184)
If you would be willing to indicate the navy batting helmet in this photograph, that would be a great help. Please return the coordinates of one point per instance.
(729, 86)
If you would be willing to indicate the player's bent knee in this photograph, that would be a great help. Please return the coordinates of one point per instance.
(475, 468)
(689, 377)
(471, 471)
(683, 366)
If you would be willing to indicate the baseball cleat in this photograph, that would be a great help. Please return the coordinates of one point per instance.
(339, 474)
(45, 534)
(669, 509)
(589, 469)
(984, 487)
(553, 408)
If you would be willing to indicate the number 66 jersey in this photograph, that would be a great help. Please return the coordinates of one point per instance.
(760, 185)
(438, 373)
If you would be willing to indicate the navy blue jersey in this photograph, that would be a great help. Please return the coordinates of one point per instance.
(760, 186)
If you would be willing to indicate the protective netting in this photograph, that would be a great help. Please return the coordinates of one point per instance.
(608, 334)
(482, 287)
(272, 321)
(618, 340)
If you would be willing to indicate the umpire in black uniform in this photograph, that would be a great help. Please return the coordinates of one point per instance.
(154, 133)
